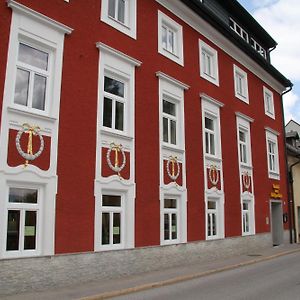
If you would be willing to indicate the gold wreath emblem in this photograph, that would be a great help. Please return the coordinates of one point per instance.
(246, 180)
(213, 175)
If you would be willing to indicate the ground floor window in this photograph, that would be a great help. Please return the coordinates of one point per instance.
(112, 215)
(246, 217)
(212, 218)
(23, 210)
(170, 214)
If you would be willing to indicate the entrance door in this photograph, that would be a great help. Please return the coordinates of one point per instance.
(276, 223)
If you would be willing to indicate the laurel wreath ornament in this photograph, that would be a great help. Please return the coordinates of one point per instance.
(246, 180)
(32, 131)
(214, 179)
(116, 167)
(174, 161)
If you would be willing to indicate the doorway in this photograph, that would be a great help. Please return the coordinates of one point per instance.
(276, 223)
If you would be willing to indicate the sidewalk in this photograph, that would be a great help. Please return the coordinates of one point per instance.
(114, 287)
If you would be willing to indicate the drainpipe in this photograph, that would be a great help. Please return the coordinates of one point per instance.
(269, 52)
(290, 199)
(291, 178)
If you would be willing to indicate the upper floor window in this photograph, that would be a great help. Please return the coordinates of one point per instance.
(210, 135)
(243, 146)
(169, 122)
(272, 155)
(120, 14)
(32, 77)
(258, 48)
(269, 103)
(113, 103)
(170, 38)
(209, 63)
(240, 84)
(238, 29)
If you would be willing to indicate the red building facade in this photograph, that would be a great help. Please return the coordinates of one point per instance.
(136, 123)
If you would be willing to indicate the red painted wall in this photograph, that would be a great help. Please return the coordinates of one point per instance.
(77, 131)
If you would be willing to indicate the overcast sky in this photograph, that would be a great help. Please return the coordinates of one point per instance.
(281, 19)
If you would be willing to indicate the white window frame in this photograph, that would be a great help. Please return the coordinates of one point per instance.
(130, 23)
(208, 58)
(111, 210)
(170, 118)
(170, 212)
(240, 84)
(256, 46)
(273, 168)
(236, 27)
(171, 25)
(246, 218)
(218, 211)
(269, 103)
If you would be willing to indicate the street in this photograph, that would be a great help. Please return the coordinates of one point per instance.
(274, 279)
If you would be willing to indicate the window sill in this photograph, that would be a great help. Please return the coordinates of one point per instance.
(28, 113)
(213, 80)
(273, 175)
(172, 148)
(242, 98)
(270, 115)
(115, 134)
(212, 157)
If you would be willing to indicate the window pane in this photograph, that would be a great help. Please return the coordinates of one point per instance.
(211, 205)
(169, 108)
(108, 200)
(166, 227)
(242, 136)
(174, 226)
(30, 230)
(13, 230)
(119, 116)
(170, 203)
(113, 86)
(121, 11)
(39, 92)
(212, 144)
(117, 228)
(111, 8)
(105, 228)
(244, 154)
(107, 113)
(164, 37)
(33, 57)
(214, 224)
(207, 143)
(209, 123)
(165, 130)
(171, 41)
(21, 195)
(21, 89)
(173, 132)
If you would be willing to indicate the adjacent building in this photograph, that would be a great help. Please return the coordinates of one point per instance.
(137, 123)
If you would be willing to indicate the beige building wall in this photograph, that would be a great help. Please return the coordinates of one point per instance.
(296, 185)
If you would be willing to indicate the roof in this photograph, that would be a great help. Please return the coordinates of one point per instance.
(292, 134)
(237, 10)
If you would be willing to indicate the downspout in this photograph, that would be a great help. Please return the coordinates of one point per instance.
(291, 179)
(290, 199)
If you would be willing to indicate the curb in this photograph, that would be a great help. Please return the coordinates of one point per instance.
(147, 286)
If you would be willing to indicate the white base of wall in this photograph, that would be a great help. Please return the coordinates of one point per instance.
(40, 273)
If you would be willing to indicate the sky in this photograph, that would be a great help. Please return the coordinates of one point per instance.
(281, 19)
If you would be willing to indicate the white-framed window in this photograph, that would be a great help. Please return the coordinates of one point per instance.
(171, 219)
(170, 38)
(238, 29)
(23, 226)
(112, 223)
(212, 218)
(114, 102)
(240, 84)
(210, 134)
(269, 103)
(272, 155)
(258, 47)
(120, 14)
(246, 217)
(169, 120)
(243, 146)
(209, 63)
(33, 76)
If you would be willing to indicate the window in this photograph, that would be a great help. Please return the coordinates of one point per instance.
(170, 214)
(111, 220)
(269, 103)
(212, 219)
(23, 211)
(246, 217)
(258, 48)
(240, 84)
(170, 38)
(169, 122)
(209, 63)
(114, 103)
(238, 29)
(120, 14)
(210, 135)
(272, 155)
(32, 77)
(243, 146)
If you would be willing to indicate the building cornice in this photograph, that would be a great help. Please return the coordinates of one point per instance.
(164, 76)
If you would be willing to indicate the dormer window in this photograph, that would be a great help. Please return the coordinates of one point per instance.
(239, 30)
(258, 48)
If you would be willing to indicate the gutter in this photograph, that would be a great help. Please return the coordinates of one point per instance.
(290, 196)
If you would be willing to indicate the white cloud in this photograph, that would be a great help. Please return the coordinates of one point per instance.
(262, 3)
(291, 103)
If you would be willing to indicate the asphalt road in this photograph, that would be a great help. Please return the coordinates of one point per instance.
(276, 279)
